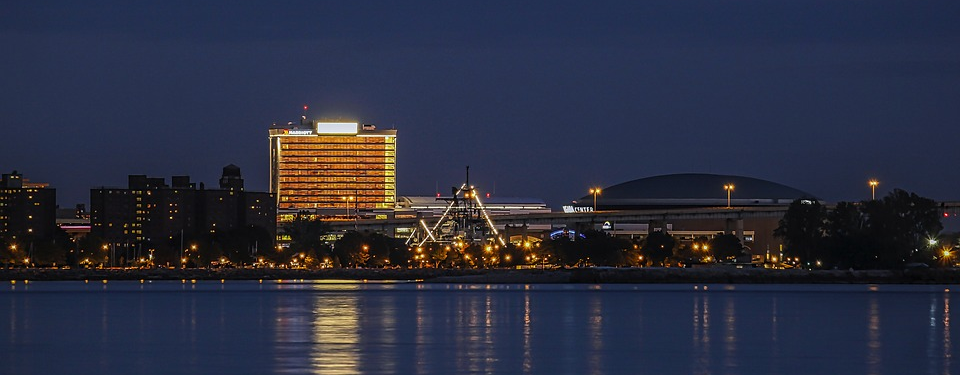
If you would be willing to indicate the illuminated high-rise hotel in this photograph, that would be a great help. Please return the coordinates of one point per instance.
(333, 165)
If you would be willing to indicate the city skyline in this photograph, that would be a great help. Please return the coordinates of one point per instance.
(541, 100)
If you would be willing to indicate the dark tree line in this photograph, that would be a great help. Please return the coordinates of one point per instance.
(878, 234)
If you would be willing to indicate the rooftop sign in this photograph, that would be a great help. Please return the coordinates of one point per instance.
(336, 128)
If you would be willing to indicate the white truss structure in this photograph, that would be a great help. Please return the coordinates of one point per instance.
(465, 220)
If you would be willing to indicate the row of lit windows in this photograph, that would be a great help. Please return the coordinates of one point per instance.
(357, 185)
(307, 205)
(349, 149)
(354, 147)
(12, 194)
(325, 179)
(332, 173)
(338, 194)
(336, 139)
(327, 153)
(14, 191)
(339, 146)
(335, 198)
(340, 159)
(350, 191)
(315, 166)
(344, 166)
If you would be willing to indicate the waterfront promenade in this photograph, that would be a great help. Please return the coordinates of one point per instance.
(716, 275)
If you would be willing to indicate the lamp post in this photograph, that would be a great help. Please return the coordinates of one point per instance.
(873, 188)
(595, 192)
(346, 205)
(729, 189)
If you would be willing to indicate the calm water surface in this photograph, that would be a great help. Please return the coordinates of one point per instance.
(241, 327)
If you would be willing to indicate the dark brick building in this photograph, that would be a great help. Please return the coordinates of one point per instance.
(27, 210)
(151, 215)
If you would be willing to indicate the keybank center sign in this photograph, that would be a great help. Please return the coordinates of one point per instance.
(575, 209)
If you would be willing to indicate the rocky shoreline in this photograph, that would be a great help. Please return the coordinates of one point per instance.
(511, 276)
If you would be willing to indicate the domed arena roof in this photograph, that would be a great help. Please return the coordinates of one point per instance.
(694, 190)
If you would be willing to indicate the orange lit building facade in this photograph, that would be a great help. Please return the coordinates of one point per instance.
(336, 168)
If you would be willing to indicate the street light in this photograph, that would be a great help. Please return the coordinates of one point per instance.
(346, 205)
(873, 188)
(595, 192)
(729, 189)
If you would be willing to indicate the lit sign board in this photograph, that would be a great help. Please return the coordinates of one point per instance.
(574, 209)
(300, 132)
(336, 128)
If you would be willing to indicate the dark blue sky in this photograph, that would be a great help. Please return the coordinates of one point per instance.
(542, 99)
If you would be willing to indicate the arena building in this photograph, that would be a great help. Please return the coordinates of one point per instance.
(695, 190)
(690, 190)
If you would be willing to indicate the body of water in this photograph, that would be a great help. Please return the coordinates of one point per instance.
(247, 327)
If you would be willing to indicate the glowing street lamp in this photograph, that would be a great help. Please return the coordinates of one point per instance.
(873, 188)
(595, 192)
(729, 189)
(346, 205)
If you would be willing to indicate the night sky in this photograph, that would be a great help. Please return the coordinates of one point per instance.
(541, 99)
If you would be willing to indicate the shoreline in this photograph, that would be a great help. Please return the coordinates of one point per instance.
(510, 276)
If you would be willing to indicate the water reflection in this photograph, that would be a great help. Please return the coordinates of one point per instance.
(527, 352)
(874, 357)
(947, 347)
(317, 335)
(730, 335)
(422, 329)
(701, 333)
(335, 340)
(420, 335)
(595, 325)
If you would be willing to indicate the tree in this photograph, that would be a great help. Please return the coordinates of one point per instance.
(349, 249)
(305, 238)
(845, 242)
(726, 247)
(699, 250)
(400, 255)
(606, 250)
(439, 254)
(562, 250)
(658, 246)
(802, 229)
(900, 225)
(511, 255)
(885, 233)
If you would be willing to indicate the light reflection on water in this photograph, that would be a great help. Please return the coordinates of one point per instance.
(874, 346)
(357, 328)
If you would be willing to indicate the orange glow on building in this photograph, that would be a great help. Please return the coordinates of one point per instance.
(333, 166)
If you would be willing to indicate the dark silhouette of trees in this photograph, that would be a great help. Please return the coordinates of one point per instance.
(802, 229)
(845, 245)
(349, 250)
(356, 249)
(726, 247)
(885, 233)
(306, 238)
(899, 226)
(657, 247)
(595, 248)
